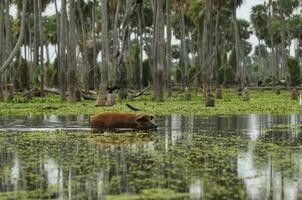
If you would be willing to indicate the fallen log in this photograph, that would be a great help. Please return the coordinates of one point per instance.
(139, 93)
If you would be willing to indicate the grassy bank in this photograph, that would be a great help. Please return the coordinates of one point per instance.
(231, 104)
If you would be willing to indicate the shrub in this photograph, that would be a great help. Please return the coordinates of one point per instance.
(294, 71)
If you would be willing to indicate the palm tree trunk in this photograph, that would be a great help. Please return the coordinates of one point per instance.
(239, 69)
(41, 47)
(63, 43)
(184, 49)
(116, 43)
(8, 40)
(36, 31)
(85, 51)
(72, 78)
(160, 54)
(1, 32)
(206, 56)
(168, 48)
(92, 73)
(10, 58)
(101, 100)
(283, 48)
(123, 58)
(58, 32)
(140, 24)
(1, 46)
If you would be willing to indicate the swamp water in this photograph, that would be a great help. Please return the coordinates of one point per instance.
(189, 157)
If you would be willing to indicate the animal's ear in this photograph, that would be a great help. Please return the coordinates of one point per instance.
(142, 118)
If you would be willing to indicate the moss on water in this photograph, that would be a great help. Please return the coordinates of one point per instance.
(231, 104)
(142, 166)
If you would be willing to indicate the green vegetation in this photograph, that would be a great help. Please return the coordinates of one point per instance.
(149, 168)
(231, 104)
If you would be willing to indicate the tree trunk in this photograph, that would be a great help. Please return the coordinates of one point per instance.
(85, 51)
(159, 53)
(239, 68)
(273, 63)
(1, 46)
(8, 40)
(168, 47)
(116, 44)
(184, 49)
(72, 78)
(36, 32)
(41, 47)
(10, 58)
(140, 24)
(101, 100)
(123, 59)
(1, 32)
(283, 49)
(92, 75)
(206, 57)
(63, 43)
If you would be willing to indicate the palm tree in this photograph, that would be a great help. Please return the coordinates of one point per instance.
(260, 20)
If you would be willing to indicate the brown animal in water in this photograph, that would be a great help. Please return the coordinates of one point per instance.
(115, 120)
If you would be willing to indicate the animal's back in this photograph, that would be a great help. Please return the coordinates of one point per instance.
(113, 120)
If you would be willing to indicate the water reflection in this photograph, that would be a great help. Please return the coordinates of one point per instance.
(230, 157)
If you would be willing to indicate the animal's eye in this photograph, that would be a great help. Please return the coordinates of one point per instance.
(151, 117)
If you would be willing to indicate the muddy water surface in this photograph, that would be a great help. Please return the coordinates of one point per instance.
(189, 157)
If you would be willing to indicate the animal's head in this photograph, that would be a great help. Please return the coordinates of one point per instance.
(146, 121)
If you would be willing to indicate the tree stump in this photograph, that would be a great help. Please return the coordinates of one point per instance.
(27, 94)
(239, 92)
(110, 100)
(278, 92)
(210, 101)
(295, 94)
(218, 93)
(245, 95)
(78, 95)
(188, 96)
(1, 93)
(9, 92)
